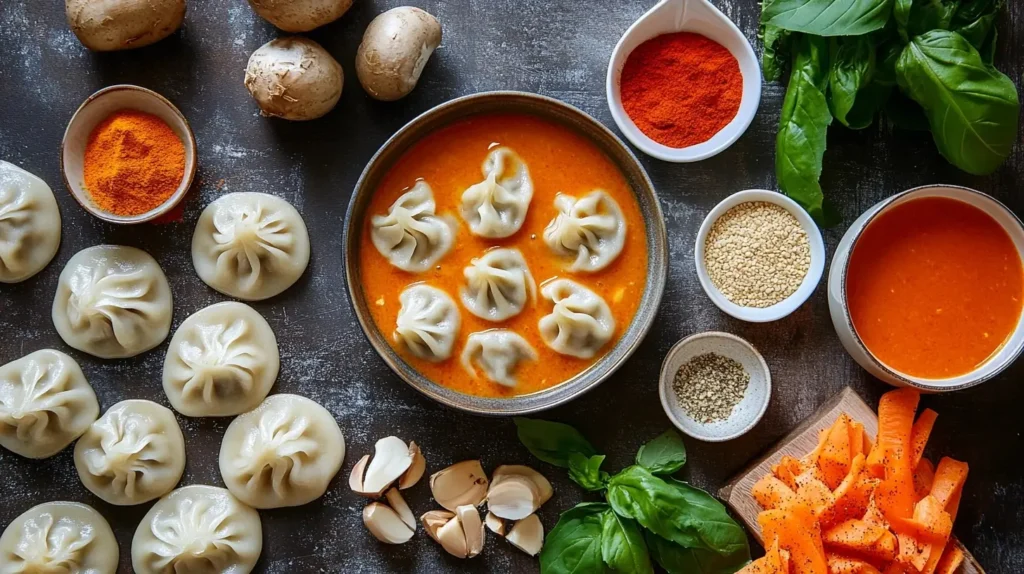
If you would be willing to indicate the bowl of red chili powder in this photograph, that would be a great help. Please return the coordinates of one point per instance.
(683, 82)
(128, 155)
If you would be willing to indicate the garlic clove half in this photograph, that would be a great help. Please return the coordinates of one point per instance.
(414, 473)
(434, 520)
(400, 507)
(514, 498)
(541, 483)
(391, 458)
(469, 515)
(452, 538)
(495, 524)
(460, 484)
(355, 480)
(385, 524)
(527, 535)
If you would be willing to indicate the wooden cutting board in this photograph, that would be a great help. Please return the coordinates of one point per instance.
(797, 444)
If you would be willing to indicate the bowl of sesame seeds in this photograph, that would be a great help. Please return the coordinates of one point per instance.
(759, 255)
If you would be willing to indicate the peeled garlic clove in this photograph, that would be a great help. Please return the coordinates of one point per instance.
(385, 524)
(542, 485)
(453, 538)
(460, 484)
(434, 520)
(398, 504)
(514, 498)
(495, 524)
(527, 535)
(415, 472)
(469, 515)
(391, 458)
(355, 480)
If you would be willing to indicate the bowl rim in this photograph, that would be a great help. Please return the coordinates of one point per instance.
(170, 202)
(658, 256)
(807, 287)
(665, 380)
(902, 378)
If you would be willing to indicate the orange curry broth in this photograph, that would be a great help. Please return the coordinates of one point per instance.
(934, 287)
(559, 160)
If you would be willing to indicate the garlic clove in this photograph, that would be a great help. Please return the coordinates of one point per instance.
(469, 515)
(495, 524)
(391, 458)
(415, 472)
(527, 535)
(400, 507)
(452, 538)
(514, 498)
(539, 481)
(355, 480)
(434, 520)
(460, 484)
(385, 524)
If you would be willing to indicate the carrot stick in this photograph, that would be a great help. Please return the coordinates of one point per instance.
(895, 495)
(950, 476)
(920, 432)
(770, 492)
(924, 477)
(952, 558)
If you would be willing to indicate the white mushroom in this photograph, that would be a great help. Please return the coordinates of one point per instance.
(300, 15)
(527, 535)
(495, 524)
(415, 472)
(542, 485)
(514, 498)
(469, 515)
(294, 78)
(460, 484)
(385, 524)
(400, 507)
(394, 50)
(391, 459)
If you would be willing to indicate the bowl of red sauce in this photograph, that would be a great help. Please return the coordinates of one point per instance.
(926, 288)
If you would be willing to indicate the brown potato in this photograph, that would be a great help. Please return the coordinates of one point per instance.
(105, 25)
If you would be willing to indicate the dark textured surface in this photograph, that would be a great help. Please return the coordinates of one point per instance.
(555, 48)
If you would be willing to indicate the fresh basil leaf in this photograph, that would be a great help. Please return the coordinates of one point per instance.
(720, 531)
(586, 471)
(552, 442)
(622, 545)
(574, 544)
(776, 49)
(678, 560)
(972, 108)
(975, 20)
(870, 101)
(886, 57)
(800, 143)
(901, 14)
(665, 454)
(928, 15)
(828, 17)
(852, 68)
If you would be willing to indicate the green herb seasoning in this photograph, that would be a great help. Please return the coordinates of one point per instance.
(709, 386)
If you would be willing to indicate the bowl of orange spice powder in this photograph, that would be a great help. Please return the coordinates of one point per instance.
(128, 155)
(683, 82)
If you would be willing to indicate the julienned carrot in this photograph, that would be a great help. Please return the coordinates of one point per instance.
(863, 538)
(770, 492)
(835, 454)
(774, 561)
(787, 470)
(950, 477)
(859, 442)
(849, 499)
(951, 559)
(799, 534)
(920, 432)
(895, 422)
(895, 494)
(845, 565)
(924, 477)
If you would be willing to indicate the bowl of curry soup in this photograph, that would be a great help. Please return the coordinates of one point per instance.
(504, 253)
(926, 288)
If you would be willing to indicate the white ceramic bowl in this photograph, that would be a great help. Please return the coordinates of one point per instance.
(698, 16)
(744, 415)
(841, 313)
(787, 305)
(96, 109)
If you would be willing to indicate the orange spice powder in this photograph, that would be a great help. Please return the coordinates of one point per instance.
(133, 163)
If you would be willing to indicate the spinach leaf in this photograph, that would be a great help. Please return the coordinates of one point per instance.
(928, 15)
(678, 560)
(852, 68)
(552, 442)
(622, 545)
(800, 143)
(828, 17)
(586, 471)
(665, 454)
(972, 108)
(574, 544)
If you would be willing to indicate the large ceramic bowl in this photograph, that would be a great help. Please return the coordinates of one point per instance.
(837, 302)
(551, 110)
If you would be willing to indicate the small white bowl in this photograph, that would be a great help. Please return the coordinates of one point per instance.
(698, 16)
(746, 414)
(787, 305)
(97, 108)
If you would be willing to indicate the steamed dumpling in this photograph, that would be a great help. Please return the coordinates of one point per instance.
(45, 404)
(591, 230)
(250, 245)
(498, 353)
(283, 453)
(496, 207)
(112, 302)
(222, 361)
(498, 285)
(428, 322)
(581, 322)
(199, 530)
(29, 224)
(411, 236)
(134, 453)
(59, 537)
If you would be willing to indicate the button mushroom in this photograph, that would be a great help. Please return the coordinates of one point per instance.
(394, 50)
(300, 15)
(294, 78)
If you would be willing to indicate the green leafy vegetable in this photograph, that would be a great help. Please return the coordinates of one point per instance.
(574, 544)
(852, 69)
(975, 20)
(622, 545)
(928, 15)
(973, 109)
(552, 442)
(901, 14)
(828, 17)
(666, 454)
(586, 471)
(678, 560)
(776, 50)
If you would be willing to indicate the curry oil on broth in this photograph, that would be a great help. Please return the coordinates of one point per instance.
(559, 161)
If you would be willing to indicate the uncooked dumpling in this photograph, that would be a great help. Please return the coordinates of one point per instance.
(222, 361)
(134, 453)
(250, 245)
(498, 353)
(45, 404)
(496, 207)
(29, 224)
(591, 230)
(283, 453)
(112, 302)
(580, 323)
(412, 236)
(498, 285)
(59, 537)
(198, 530)
(428, 322)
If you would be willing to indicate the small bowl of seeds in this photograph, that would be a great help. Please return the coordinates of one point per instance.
(759, 255)
(714, 386)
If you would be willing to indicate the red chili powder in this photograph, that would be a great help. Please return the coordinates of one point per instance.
(681, 89)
